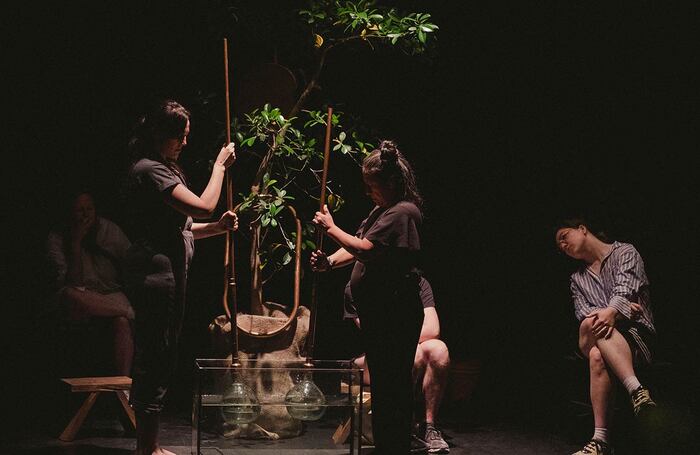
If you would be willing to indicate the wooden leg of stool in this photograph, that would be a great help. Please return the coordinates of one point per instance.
(342, 432)
(125, 404)
(78, 419)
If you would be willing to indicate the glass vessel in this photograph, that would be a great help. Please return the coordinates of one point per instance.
(239, 404)
(305, 401)
(274, 406)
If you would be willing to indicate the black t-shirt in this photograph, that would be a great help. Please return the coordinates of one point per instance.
(394, 232)
(150, 219)
(427, 298)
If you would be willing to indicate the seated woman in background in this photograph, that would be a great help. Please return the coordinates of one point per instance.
(610, 293)
(86, 255)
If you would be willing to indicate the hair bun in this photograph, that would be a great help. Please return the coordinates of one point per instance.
(388, 151)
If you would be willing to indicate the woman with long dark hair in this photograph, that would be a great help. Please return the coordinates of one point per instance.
(385, 288)
(160, 210)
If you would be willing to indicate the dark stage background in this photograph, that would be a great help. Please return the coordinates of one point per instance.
(523, 113)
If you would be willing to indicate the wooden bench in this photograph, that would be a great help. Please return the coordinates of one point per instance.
(94, 386)
(342, 433)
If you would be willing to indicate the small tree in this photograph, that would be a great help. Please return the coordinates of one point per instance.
(291, 156)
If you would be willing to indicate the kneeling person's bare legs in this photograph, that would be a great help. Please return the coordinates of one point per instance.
(433, 360)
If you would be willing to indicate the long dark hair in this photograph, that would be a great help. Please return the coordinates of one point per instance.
(387, 164)
(167, 119)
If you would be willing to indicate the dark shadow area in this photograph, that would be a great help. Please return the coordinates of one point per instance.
(86, 449)
(522, 114)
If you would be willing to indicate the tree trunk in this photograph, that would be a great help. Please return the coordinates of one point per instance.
(256, 294)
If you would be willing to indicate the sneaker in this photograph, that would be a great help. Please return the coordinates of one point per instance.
(418, 445)
(641, 400)
(595, 447)
(434, 440)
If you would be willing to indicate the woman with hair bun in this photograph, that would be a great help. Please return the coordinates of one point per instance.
(160, 208)
(384, 287)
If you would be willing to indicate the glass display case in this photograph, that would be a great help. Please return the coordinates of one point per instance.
(265, 406)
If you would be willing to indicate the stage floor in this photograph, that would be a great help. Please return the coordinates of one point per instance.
(105, 436)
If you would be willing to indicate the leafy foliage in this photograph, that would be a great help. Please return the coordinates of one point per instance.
(340, 21)
(293, 171)
(288, 143)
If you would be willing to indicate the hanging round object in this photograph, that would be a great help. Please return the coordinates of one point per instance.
(240, 405)
(305, 401)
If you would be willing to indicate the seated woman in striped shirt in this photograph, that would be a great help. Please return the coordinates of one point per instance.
(610, 292)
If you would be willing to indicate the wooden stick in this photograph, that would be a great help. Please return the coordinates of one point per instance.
(324, 175)
(228, 102)
(311, 337)
(230, 287)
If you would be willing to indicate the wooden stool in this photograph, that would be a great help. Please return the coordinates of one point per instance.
(342, 433)
(116, 384)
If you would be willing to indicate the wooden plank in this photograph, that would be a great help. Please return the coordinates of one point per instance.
(342, 432)
(77, 421)
(125, 404)
(355, 388)
(97, 384)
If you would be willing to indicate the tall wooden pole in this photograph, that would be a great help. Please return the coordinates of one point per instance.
(230, 298)
(311, 337)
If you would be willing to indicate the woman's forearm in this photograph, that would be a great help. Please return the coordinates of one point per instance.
(204, 230)
(210, 195)
(351, 244)
(341, 258)
(185, 201)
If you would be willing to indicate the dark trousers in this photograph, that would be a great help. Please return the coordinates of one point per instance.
(390, 329)
(160, 307)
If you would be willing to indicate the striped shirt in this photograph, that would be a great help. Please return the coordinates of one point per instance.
(622, 280)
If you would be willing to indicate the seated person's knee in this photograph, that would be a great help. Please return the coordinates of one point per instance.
(71, 301)
(586, 326)
(437, 353)
(420, 359)
(121, 323)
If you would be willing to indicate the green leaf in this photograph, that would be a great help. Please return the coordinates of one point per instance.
(286, 259)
